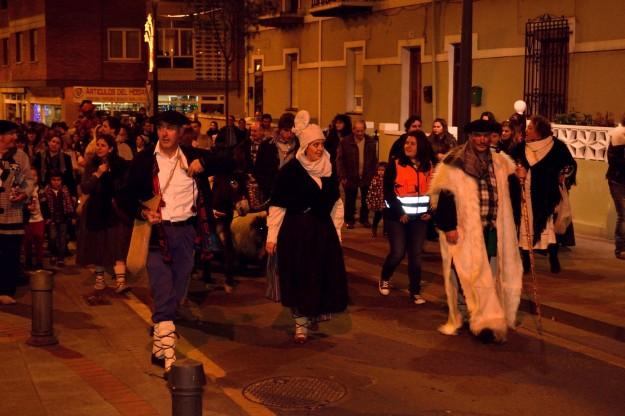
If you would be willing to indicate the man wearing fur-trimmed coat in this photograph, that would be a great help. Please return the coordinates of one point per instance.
(471, 196)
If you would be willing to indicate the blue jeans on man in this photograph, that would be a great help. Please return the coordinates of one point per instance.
(169, 282)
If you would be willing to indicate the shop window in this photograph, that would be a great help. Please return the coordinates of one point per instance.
(18, 46)
(212, 104)
(124, 44)
(5, 51)
(32, 34)
(175, 49)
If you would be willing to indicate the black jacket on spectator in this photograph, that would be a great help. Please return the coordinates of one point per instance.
(347, 162)
(266, 166)
(333, 139)
(616, 164)
(44, 163)
(442, 143)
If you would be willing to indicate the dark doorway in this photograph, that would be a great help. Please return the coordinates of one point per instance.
(414, 104)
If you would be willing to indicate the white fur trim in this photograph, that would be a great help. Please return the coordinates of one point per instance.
(492, 298)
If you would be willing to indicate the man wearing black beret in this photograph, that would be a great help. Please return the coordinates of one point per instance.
(471, 195)
(178, 176)
(16, 185)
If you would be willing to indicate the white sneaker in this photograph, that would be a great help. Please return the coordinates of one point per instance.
(384, 287)
(418, 300)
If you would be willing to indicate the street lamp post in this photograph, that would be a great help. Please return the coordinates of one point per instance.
(154, 57)
(151, 38)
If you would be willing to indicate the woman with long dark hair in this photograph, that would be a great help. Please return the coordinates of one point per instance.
(412, 123)
(406, 183)
(511, 135)
(441, 140)
(340, 128)
(105, 230)
(34, 144)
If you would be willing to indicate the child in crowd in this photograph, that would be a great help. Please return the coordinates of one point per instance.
(35, 229)
(375, 197)
(58, 209)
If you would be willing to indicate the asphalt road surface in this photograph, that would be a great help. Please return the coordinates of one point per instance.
(385, 357)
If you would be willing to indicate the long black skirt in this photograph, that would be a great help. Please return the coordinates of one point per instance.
(310, 266)
(102, 247)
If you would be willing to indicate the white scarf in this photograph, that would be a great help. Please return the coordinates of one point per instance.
(321, 168)
(535, 151)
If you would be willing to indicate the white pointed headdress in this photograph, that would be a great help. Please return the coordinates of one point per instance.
(306, 132)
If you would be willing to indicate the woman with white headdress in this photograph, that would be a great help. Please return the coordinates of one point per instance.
(305, 220)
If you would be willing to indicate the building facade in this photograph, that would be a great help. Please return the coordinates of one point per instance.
(385, 59)
(382, 60)
(56, 53)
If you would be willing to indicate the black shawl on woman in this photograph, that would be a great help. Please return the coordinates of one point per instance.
(545, 185)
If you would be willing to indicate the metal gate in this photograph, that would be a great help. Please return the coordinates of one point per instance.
(546, 65)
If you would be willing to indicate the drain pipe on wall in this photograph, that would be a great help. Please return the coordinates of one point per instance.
(434, 65)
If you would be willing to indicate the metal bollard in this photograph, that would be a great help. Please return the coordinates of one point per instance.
(186, 381)
(42, 333)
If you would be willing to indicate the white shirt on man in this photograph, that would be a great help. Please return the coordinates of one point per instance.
(180, 195)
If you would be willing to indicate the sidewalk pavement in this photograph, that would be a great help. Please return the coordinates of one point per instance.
(588, 294)
(102, 367)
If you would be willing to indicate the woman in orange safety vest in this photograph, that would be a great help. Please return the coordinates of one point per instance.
(406, 184)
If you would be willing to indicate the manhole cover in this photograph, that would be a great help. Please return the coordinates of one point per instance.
(294, 393)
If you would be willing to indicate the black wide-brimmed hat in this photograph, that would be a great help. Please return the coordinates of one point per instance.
(482, 126)
(7, 126)
(172, 118)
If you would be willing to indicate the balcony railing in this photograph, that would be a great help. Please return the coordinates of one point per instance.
(340, 8)
(281, 19)
(286, 15)
(584, 142)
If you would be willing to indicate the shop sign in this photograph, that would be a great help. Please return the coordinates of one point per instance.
(110, 95)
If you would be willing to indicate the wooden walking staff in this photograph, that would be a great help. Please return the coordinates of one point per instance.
(530, 245)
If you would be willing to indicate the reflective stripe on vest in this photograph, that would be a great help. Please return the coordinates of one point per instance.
(410, 187)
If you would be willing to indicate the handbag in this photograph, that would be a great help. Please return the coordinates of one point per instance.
(563, 214)
(140, 239)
